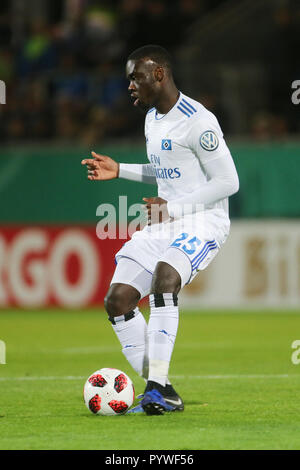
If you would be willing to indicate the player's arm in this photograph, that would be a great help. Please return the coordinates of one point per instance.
(222, 179)
(143, 173)
(102, 167)
(223, 182)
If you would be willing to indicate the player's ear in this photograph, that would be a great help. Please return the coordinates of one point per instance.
(159, 73)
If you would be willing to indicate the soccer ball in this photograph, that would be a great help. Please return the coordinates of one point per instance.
(108, 392)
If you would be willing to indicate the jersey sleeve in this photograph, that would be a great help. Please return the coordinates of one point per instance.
(142, 173)
(206, 140)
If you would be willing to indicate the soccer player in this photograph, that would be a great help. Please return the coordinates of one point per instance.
(188, 222)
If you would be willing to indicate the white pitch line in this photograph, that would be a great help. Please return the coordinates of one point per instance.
(197, 377)
(234, 376)
(46, 377)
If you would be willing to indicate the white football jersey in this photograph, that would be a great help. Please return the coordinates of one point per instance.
(179, 143)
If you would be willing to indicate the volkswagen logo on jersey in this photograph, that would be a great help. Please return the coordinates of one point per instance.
(209, 141)
(166, 144)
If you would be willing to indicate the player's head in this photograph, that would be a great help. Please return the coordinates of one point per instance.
(149, 71)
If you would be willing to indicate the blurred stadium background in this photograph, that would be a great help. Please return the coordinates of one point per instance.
(63, 62)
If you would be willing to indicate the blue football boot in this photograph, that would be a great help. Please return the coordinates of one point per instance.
(154, 403)
(169, 395)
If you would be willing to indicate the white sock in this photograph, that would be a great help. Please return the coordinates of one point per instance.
(162, 331)
(132, 334)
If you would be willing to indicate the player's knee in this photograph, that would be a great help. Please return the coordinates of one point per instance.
(165, 279)
(121, 299)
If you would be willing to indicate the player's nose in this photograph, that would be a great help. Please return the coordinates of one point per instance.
(131, 86)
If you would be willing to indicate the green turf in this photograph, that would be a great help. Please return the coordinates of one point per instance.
(233, 370)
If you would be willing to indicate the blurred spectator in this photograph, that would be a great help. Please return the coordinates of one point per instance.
(189, 11)
(102, 35)
(13, 120)
(36, 109)
(131, 25)
(67, 127)
(38, 53)
(110, 85)
(261, 126)
(70, 83)
(210, 102)
(6, 65)
(161, 24)
(266, 126)
(5, 23)
(96, 126)
(71, 37)
(69, 90)
(279, 127)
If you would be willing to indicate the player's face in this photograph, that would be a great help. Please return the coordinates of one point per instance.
(143, 86)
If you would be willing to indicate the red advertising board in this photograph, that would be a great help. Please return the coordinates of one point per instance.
(54, 266)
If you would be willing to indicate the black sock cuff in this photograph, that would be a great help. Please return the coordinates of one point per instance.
(163, 300)
(126, 317)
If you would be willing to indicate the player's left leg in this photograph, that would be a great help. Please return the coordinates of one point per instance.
(163, 322)
(162, 331)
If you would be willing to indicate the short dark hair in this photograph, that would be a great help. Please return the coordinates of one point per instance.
(156, 53)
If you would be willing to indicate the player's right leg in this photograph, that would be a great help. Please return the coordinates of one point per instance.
(129, 284)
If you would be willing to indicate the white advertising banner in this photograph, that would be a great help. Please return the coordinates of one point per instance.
(258, 267)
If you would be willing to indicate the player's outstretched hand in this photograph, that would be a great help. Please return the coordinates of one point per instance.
(157, 210)
(101, 167)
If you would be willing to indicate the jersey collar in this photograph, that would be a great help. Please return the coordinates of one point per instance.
(161, 116)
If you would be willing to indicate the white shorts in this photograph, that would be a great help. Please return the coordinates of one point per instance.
(132, 273)
(188, 244)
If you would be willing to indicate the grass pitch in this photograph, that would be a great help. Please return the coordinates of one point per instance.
(233, 370)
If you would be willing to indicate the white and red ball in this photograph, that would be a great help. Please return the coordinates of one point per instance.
(108, 392)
